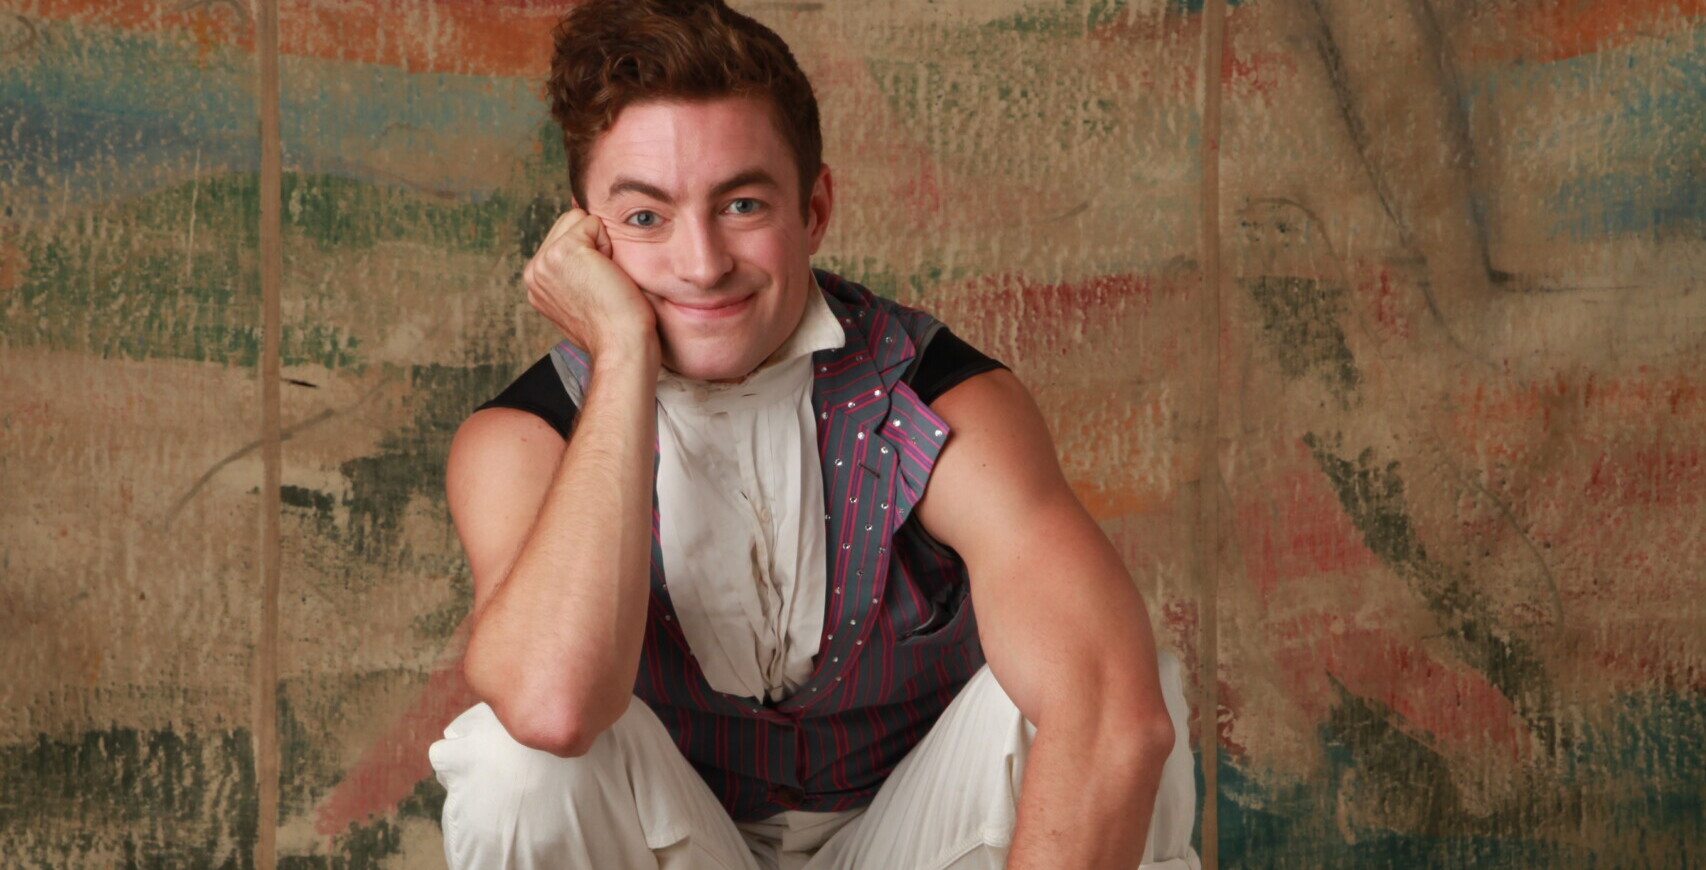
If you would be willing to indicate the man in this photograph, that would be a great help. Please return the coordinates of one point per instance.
(681, 666)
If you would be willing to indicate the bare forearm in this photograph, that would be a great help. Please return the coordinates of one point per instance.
(1088, 795)
(556, 648)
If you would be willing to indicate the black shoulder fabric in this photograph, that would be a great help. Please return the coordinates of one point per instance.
(947, 361)
(539, 391)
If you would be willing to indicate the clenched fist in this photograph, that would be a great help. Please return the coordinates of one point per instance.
(574, 283)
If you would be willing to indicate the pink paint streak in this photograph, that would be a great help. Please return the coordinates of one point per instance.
(390, 768)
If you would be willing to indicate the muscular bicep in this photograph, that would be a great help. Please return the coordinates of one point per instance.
(501, 464)
(1057, 611)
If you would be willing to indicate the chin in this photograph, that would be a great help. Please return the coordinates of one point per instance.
(711, 364)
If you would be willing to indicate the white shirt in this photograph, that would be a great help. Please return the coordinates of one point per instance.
(740, 504)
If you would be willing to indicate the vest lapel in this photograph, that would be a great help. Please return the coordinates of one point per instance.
(877, 451)
(852, 393)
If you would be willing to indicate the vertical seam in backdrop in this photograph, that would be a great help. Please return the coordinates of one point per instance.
(1209, 483)
(265, 698)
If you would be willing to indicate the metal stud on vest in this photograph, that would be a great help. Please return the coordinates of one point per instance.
(896, 649)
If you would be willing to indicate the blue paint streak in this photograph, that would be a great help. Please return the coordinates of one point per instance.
(1651, 145)
(1295, 828)
(368, 122)
(102, 114)
(1665, 199)
(1642, 767)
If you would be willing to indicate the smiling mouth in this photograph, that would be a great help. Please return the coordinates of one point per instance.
(712, 309)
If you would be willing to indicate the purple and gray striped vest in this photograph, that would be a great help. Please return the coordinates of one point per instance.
(899, 635)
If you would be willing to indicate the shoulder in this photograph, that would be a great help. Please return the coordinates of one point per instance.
(501, 464)
(855, 298)
(540, 391)
(910, 343)
(999, 462)
(994, 412)
(496, 449)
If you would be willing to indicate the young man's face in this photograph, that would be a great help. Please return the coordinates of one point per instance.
(702, 202)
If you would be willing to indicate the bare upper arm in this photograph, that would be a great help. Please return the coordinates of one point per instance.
(1057, 611)
(502, 462)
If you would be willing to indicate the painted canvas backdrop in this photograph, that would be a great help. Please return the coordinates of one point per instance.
(1368, 330)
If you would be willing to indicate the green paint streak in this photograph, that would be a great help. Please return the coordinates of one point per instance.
(368, 541)
(881, 277)
(440, 624)
(304, 768)
(362, 526)
(310, 766)
(1373, 496)
(161, 798)
(342, 214)
(1011, 88)
(1404, 782)
(119, 283)
(1653, 746)
(1068, 18)
(538, 218)
(1076, 17)
(411, 460)
(1636, 769)
(1019, 77)
(1300, 325)
(318, 503)
(123, 280)
(367, 846)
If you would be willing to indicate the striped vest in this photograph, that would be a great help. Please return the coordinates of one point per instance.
(899, 636)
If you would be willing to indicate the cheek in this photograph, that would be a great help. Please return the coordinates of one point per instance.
(642, 262)
(774, 251)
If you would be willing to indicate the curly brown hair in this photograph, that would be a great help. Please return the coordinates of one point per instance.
(610, 54)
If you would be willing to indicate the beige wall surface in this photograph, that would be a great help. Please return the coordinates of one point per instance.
(1370, 330)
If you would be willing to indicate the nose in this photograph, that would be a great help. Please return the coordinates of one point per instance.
(702, 255)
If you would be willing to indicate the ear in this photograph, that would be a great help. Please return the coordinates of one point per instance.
(819, 207)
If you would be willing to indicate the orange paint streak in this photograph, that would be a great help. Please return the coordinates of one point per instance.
(1560, 29)
(14, 264)
(1105, 502)
(1246, 72)
(987, 305)
(1650, 475)
(148, 16)
(1455, 706)
(1259, 72)
(1447, 706)
(472, 38)
(1647, 653)
(918, 195)
(1393, 307)
(1508, 421)
(1297, 530)
(486, 38)
(388, 771)
(513, 38)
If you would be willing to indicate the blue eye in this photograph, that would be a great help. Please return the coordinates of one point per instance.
(744, 205)
(643, 219)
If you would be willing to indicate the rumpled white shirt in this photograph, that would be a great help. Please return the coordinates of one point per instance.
(740, 515)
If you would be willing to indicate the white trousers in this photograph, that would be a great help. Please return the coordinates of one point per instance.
(633, 802)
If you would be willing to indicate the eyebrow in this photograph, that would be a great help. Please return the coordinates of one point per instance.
(745, 178)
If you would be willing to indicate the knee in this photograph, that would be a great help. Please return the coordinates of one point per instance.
(494, 782)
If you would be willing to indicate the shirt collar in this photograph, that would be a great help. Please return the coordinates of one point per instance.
(818, 330)
(778, 377)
